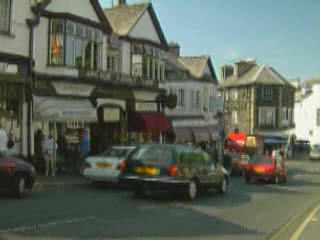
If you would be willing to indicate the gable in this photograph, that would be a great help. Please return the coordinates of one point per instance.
(206, 70)
(145, 29)
(83, 8)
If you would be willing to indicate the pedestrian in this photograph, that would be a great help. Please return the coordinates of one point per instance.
(48, 148)
(39, 142)
(84, 145)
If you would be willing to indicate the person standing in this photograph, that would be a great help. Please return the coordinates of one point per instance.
(48, 148)
(84, 145)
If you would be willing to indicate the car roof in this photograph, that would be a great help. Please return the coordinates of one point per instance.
(123, 147)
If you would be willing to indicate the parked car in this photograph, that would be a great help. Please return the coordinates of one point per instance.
(266, 168)
(106, 167)
(16, 175)
(315, 152)
(176, 168)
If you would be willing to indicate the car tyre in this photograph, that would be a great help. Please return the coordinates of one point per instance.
(223, 188)
(19, 186)
(192, 190)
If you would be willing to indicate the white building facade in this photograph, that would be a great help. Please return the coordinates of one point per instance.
(307, 116)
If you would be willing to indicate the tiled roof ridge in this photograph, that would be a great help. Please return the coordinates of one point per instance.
(126, 6)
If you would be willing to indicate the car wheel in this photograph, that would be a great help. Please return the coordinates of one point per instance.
(192, 190)
(224, 186)
(19, 186)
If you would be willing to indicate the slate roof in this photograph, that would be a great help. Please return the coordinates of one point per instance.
(197, 64)
(261, 75)
(124, 17)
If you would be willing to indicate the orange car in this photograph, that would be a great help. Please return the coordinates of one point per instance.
(266, 168)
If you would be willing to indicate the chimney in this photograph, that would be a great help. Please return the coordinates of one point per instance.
(243, 66)
(174, 48)
(226, 71)
(121, 2)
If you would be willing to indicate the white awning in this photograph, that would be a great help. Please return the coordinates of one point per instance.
(64, 109)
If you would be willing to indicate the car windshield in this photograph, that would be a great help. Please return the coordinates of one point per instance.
(261, 160)
(154, 154)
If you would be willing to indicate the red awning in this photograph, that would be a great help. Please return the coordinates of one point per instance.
(148, 122)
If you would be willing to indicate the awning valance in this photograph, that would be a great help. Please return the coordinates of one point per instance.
(201, 134)
(64, 109)
(149, 121)
(183, 134)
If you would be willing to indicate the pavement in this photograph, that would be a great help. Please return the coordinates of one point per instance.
(247, 212)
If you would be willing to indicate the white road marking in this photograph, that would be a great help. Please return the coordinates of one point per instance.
(297, 176)
(46, 225)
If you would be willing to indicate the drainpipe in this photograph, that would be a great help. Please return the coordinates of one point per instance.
(32, 23)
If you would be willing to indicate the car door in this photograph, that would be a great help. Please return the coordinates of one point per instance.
(213, 173)
(5, 174)
(199, 166)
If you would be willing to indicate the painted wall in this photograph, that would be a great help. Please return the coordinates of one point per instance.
(74, 7)
(17, 42)
(144, 29)
(305, 116)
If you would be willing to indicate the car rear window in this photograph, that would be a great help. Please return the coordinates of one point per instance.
(153, 155)
(261, 160)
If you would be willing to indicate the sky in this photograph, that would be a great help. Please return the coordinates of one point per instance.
(284, 34)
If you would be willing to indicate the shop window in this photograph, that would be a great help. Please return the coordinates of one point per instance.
(82, 45)
(5, 15)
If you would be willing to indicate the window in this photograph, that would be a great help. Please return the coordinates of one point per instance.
(205, 99)
(267, 117)
(318, 117)
(5, 15)
(234, 117)
(112, 60)
(226, 92)
(198, 99)
(152, 62)
(181, 98)
(289, 116)
(82, 45)
(267, 93)
(234, 94)
(285, 116)
(289, 96)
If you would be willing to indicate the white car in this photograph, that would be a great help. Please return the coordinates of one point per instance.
(315, 152)
(106, 167)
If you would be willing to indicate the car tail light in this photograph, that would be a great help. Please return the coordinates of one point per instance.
(121, 166)
(269, 169)
(173, 171)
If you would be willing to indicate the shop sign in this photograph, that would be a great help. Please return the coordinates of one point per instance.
(74, 89)
(111, 115)
(146, 107)
(8, 68)
(106, 76)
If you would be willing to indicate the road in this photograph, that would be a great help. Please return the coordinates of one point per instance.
(254, 211)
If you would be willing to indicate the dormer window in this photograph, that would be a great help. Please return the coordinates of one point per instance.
(76, 45)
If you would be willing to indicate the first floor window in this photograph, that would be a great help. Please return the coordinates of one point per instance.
(267, 93)
(234, 117)
(5, 15)
(198, 99)
(181, 98)
(75, 45)
(318, 117)
(267, 117)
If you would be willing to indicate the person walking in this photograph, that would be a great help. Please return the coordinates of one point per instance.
(48, 148)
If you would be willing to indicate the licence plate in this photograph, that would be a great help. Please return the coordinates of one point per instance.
(146, 170)
(103, 165)
(259, 170)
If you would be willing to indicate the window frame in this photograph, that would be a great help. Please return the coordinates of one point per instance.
(10, 16)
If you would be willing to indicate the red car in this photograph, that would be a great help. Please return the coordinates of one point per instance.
(266, 168)
(16, 175)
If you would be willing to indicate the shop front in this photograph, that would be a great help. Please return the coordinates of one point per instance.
(147, 124)
(13, 102)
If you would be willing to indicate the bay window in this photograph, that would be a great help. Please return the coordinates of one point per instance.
(267, 117)
(148, 62)
(75, 45)
(5, 15)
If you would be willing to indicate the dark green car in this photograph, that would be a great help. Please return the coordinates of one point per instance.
(176, 168)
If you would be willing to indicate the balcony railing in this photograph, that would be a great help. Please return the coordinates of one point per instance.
(117, 78)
